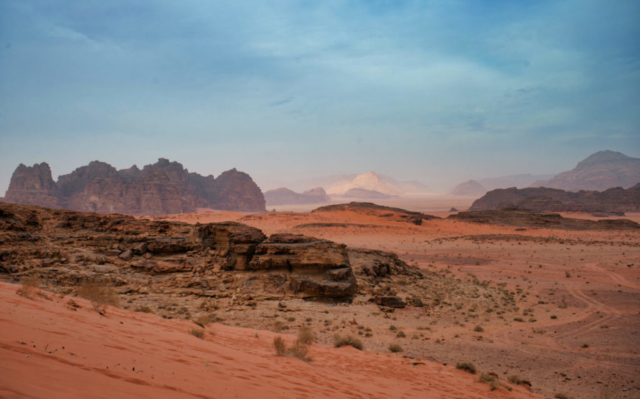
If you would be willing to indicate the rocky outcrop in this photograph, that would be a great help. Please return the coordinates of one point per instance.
(372, 209)
(144, 256)
(600, 171)
(33, 185)
(161, 188)
(471, 188)
(615, 200)
(284, 196)
(531, 219)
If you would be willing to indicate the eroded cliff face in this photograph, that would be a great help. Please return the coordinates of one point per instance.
(143, 256)
(33, 185)
(161, 188)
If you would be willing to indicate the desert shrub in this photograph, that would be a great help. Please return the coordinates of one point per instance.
(514, 379)
(29, 286)
(197, 333)
(277, 326)
(478, 329)
(144, 309)
(280, 346)
(491, 380)
(395, 348)
(203, 321)
(298, 349)
(562, 396)
(347, 341)
(100, 294)
(468, 367)
(306, 336)
(393, 328)
(401, 334)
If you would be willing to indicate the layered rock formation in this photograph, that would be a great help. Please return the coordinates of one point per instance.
(615, 200)
(284, 196)
(471, 188)
(141, 256)
(600, 171)
(162, 188)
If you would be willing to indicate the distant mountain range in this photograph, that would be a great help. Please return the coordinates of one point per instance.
(600, 171)
(284, 196)
(340, 184)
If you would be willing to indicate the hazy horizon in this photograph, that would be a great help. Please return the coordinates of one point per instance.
(439, 92)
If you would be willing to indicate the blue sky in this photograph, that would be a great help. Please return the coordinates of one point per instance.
(436, 91)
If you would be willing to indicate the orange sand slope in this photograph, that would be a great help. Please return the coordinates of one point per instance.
(48, 350)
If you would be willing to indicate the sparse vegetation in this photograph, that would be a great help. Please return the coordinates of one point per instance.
(306, 336)
(144, 309)
(395, 348)
(478, 329)
(298, 349)
(562, 396)
(468, 367)
(101, 294)
(29, 286)
(347, 340)
(197, 333)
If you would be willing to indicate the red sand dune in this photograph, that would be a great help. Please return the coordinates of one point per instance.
(48, 350)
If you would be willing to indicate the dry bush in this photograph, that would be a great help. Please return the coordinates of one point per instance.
(29, 287)
(203, 321)
(298, 349)
(197, 333)
(280, 346)
(306, 336)
(478, 329)
(562, 396)
(347, 341)
(144, 309)
(100, 294)
(395, 348)
(489, 379)
(468, 367)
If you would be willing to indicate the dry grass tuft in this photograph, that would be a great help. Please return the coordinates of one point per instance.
(468, 367)
(395, 348)
(306, 336)
(347, 341)
(298, 349)
(203, 321)
(197, 333)
(100, 294)
(29, 287)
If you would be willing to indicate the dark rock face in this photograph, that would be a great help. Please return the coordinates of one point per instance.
(284, 196)
(531, 219)
(143, 256)
(554, 200)
(162, 188)
(600, 171)
(33, 185)
(377, 210)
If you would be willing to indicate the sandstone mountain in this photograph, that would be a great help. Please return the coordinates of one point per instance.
(284, 196)
(161, 188)
(600, 171)
(471, 188)
(614, 200)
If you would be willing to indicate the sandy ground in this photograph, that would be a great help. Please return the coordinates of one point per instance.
(49, 349)
(577, 326)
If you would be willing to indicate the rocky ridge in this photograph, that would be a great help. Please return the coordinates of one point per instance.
(161, 188)
(611, 201)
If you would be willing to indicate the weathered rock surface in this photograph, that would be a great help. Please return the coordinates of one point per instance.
(600, 171)
(33, 185)
(554, 200)
(143, 256)
(531, 219)
(162, 188)
(284, 196)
